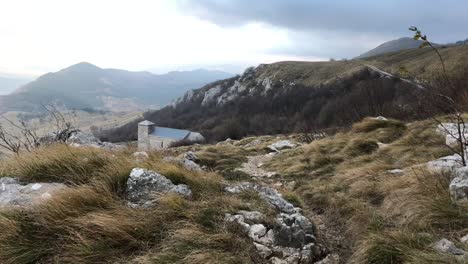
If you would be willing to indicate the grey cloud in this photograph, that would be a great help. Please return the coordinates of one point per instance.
(444, 20)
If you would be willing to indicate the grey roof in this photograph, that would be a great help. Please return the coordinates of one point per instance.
(146, 123)
(172, 133)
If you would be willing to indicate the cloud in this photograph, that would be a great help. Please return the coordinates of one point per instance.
(344, 23)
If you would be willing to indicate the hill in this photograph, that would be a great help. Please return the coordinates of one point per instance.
(392, 46)
(87, 86)
(372, 194)
(289, 97)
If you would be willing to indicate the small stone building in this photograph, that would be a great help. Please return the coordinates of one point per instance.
(153, 137)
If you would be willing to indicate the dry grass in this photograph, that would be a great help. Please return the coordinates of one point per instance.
(391, 218)
(89, 222)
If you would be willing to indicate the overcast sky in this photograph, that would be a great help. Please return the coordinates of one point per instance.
(162, 35)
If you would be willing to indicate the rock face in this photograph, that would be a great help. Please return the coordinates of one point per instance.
(14, 194)
(459, 185)
(290, 240)
(80, 138)
(145, 186)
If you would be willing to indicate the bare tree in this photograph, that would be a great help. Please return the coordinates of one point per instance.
(22, 136)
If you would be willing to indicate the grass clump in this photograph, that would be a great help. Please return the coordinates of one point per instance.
(223, 157)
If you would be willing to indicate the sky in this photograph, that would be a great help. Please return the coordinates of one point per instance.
(163, 35)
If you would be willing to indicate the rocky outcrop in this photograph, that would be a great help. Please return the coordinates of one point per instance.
(15, 194)
(280, 145)
(447, 163)
(292, 237)
(459, 185)
(145, 186)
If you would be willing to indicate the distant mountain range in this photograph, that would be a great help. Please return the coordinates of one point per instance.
(85, 85)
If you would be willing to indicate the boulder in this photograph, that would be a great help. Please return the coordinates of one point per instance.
(464, 239)
(447, 163)
(190, 165)
(14, 194)
(448, 247)
(145, 186)
(459, 185)
(283, 144)
(263, 251)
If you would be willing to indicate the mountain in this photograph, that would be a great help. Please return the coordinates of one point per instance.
(299, 96)
(9, 83)
(392, 46)
(87, 86)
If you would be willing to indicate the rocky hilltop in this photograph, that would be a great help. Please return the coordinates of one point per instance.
(289, 97)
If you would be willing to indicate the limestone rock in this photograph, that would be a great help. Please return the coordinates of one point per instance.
(459, 185)
(283, 144)
(447, 246)
(263, 251)
(446, 163)
(14, 194)
(145, 186)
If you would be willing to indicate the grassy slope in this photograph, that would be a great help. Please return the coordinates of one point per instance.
(418, 62)
(90, 223)
(391, 218)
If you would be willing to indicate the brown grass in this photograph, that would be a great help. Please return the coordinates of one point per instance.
(89, 222)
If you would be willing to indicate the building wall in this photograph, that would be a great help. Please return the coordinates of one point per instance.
(160, 143)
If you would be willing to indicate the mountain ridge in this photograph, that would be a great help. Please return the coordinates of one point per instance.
(84, 85)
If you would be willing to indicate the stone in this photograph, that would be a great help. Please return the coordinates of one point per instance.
(14, 194)
(191, 165)
(395, 171)
(450, 131)
(448, 247)
(145, 186)
(252, 217)
(464, 239)
(447, 163)
(381, 118)
(263, 251)
(279, 145)
(239, 219)
(257, 231)
(459, 185)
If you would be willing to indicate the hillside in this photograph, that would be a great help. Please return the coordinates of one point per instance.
(87, 86)
(378, 193)
(392, 46)
(288, 97)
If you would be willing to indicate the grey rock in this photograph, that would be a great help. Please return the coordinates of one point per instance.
(283, 144)
(464, 239)
(448, 247)
(252, 217)
(263, 251)
(191, 165)
(381, 118)
(145, 186)
(459, 185)
(14, 194)
(447, 163)
(257, 231)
